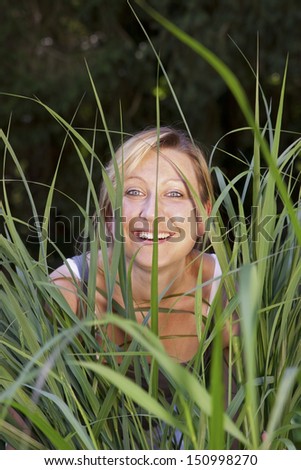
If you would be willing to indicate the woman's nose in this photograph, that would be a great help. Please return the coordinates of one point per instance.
(148, 209)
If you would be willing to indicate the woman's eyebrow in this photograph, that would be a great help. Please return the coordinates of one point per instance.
(134, 178)
(167, 180)
(173, 180)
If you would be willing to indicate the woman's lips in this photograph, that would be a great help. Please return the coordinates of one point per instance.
(148, 237)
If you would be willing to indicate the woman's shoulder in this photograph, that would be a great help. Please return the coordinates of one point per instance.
(67, 270)
(208, 261)
(78, 267)
(73, 272)
(67, 282)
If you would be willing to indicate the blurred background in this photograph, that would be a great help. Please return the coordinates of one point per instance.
(43, 48)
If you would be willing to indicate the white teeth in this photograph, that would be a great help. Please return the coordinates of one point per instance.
(150, 236)
(163, 235)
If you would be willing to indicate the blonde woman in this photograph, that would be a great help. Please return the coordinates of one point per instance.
(163, 167)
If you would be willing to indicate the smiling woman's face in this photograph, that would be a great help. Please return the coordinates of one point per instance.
(177, 227)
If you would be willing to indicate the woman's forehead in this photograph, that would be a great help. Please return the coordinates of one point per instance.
(169, 162)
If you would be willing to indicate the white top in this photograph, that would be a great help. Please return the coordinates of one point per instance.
(71, 264)
(216, 279)
(215, 282)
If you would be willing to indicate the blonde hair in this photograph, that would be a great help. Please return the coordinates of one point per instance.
(133, 150)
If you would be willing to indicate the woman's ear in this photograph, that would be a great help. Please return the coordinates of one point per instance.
(208, 208)
(202, 219)
(109, 228)
(105, 215)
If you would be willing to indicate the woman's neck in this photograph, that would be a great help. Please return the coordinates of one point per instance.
(170, 281)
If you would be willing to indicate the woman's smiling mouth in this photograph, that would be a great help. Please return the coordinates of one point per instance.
(149, 236)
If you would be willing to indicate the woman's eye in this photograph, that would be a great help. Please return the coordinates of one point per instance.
(174, 194)
(134, 192)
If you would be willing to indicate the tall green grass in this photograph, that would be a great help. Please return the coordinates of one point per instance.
(51, 371)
